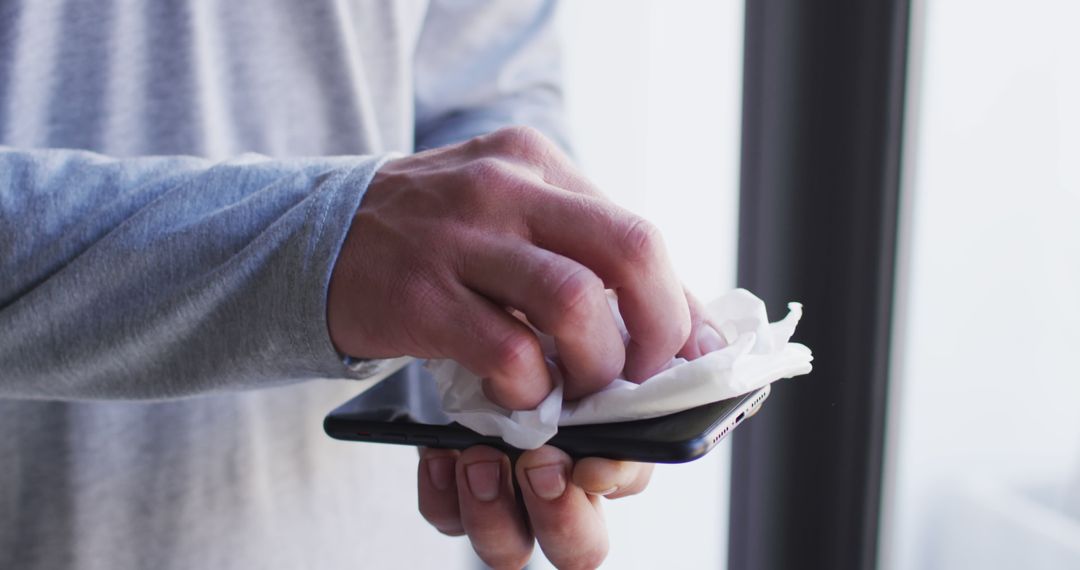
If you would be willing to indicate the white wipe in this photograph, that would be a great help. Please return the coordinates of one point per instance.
(757, 354)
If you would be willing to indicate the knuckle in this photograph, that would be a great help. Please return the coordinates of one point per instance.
(642, 240)
(486, 172)
(513, 354)
(573, 296)
(519, 140)
(475, 146)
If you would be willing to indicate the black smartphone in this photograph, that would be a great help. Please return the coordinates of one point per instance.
(404, 409)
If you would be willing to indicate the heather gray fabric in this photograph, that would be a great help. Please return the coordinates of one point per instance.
(165, 250)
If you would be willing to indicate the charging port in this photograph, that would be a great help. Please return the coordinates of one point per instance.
(740, 418)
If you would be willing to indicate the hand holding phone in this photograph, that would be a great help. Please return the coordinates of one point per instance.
(404, 409)
(505, 498)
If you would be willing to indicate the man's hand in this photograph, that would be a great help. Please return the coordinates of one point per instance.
(472, 493)
(446, 246)
(445, 241)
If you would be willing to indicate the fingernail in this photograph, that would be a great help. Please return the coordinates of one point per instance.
(709, 340)
(604, 492)
(548, 481)
(441, 472)
(483, 479)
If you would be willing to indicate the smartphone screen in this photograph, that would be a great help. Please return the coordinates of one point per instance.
(405, 409)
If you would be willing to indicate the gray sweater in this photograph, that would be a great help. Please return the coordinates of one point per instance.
(176, 179)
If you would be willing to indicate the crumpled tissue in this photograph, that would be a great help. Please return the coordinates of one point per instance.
(757, 353)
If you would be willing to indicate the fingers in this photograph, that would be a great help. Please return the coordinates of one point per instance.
(629, 255)
(561, 298)
(610, 478)
(567, 522)
(437, 490)
(574, 220)
(471, 492)
(703, 338)
(492, 344)
(489, 511)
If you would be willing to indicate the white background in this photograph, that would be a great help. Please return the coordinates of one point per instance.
(985, 424)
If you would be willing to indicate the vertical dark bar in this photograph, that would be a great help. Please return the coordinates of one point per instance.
(823, 102)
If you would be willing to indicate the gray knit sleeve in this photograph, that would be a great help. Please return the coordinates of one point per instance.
(162, 277)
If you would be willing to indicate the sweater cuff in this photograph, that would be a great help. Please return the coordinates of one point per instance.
(335, 218)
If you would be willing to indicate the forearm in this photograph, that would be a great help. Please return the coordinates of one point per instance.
(167, 276)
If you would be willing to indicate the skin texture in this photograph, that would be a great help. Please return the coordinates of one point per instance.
(449, 250)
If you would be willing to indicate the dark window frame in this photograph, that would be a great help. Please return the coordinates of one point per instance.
(823, 105)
